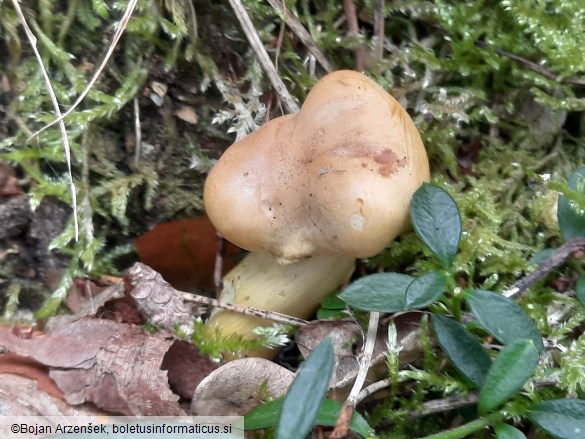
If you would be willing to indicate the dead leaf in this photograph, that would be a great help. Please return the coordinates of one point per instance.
(187, 367)
(8, 181)
(116, 367)
(184, 253)
(348, 342)
(237, 387)
(187, 114)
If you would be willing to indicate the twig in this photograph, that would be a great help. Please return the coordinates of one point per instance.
(445, 404)
(218, 266)
(263, 314)
(303, 35)
(117, 35)
(33, 42)
(354, 30)
(148, 287)
(541, 70)
(137, 133)
(342, 424)
(287, 100)
(373, 388)
(379, 29)
(554, 260)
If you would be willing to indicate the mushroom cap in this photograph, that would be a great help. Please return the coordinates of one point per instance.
(335, 178)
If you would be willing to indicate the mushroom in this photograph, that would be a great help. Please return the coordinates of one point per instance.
(309, 192)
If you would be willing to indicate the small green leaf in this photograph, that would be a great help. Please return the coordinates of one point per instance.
(571, 221)
(503, 318)
(305, 395)
(436, 219)
(580, 289)
(505, 431)
(266, 416)
(463, 349)
(425, 290)
(332, 307)
(561, 418)
(511, 369)
(384, 292)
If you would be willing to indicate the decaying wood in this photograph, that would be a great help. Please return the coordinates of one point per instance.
(116, 367)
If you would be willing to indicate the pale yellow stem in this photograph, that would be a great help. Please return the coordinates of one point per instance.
(296, 289)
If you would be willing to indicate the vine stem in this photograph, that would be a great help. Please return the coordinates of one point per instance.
(469, 428)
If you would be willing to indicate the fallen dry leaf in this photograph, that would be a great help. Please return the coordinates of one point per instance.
(8, 181)
(184, 253)
(187, 367)
(187, 113)
(116, 367)
(239, 386)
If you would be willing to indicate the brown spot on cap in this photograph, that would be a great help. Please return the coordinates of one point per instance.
(388, 161)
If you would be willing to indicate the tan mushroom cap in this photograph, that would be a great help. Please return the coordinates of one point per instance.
(335, 178)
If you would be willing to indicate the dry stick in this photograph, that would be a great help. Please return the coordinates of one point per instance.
(137, 133)
(354, 30)
(303, 35)
(267, 315)
(554, 260)
(379, 29)
(342, 424)
(547, 73)
(117, 35)
(33, 42)
(287, 100)
(218, 266)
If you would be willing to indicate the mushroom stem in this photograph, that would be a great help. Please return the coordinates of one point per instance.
(296, 289)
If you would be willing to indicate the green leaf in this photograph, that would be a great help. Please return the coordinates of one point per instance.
(384, 292)
(266, 416)
(425, 290)
(513, 366)
(503, 318)
(505, 431)
(463, 349)
(580, 290)
(305, 395)
(571, 221)
(436, 219)
(562, 418)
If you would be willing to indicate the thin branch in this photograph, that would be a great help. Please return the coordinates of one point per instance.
(342, 424)
(354, 30)
(117, 35)
(263, 314)
(299, 30)
(137, 133)
(535, 67)
(554, 260)
(379, 29)
(248, 27)
(33, 42)
(148, 287)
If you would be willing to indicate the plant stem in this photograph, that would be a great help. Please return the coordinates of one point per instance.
(469, 428)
